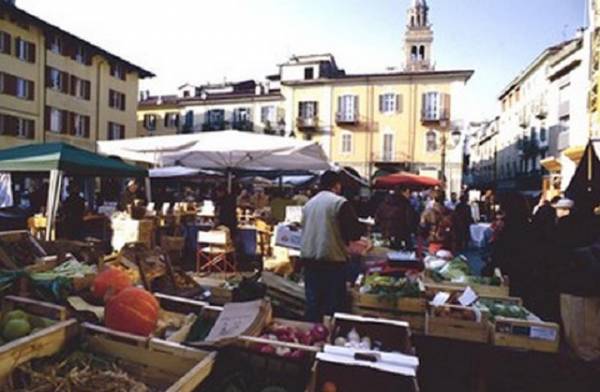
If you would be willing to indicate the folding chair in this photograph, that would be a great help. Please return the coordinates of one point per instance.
(216, 252)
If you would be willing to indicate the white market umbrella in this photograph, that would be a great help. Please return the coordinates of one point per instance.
(225, 150)
(179, 171)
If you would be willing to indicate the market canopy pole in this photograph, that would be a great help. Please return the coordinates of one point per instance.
(54, 191)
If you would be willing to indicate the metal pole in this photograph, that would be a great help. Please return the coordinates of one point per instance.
(443, 174)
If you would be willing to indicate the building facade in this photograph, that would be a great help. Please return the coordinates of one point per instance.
(55, 86)
(400, 120)
(480, 162)
(543, 125)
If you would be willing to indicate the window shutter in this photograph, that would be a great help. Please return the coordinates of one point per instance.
(2, 124)
(69, 122)
(47, 118)
(399, 103)
(73, 85)
(8, 126)
(356, 107)
(30, 129)
(381, 103)
(88, 90)
(7, 43)
(166, 122)
(48, 77)
(446, 104)
(122, 102)
(30, 90)
(424, 104)
(177, 120)
(11, 84)
(316, 109)
(18, 47)
(65, 82)
(86, 122)
(31, 52)
(340, 109)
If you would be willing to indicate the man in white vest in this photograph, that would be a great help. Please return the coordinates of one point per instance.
(329, 223)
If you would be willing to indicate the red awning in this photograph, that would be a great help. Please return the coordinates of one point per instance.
(408, 179)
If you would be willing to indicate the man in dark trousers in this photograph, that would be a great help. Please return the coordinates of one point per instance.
(73, 209)
(397, 219)
(329, 223)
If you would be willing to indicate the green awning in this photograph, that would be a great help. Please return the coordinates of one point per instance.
(65, 157)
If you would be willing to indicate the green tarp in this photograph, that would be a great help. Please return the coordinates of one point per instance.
(62, 156)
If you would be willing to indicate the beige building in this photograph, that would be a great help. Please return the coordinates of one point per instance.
(55, 86)
(396, 120)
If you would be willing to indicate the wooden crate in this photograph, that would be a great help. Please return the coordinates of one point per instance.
(285, 294)
(409, 305)
(19, 249)
(416, 321)
(483, 290)
(161, 366)
(44, 343)
(215, 283)
(453, 328)
(525, 334)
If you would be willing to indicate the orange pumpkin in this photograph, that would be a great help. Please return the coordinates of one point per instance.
(110, 281)
(133, 310)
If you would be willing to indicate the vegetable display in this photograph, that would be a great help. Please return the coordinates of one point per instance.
(498, 309)
(110, 281)
(389, 288)
(17, 324)
(132, 310)
(78, 372)
(354, 340)
(316, 337)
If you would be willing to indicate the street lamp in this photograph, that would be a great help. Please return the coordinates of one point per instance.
(455, 136)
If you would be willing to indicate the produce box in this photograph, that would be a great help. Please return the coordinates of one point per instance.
(407, 304)
(482, 286)
(41, 340)
(514, 326)
(387, 335)
(130, 230)
(416, 321)
(285, 294)
(220, 285)
(19, 249)
(458, 322)
(349, 370)
(91, 354)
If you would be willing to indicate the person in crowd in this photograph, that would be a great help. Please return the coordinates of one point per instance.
(452, 202)
(328, 225)
(260, 200)
(515, 250)
(279, 203)
(301, 198)
(436, 224)
(244, 200)
(130, 195)
(73, 210)
(488, 205)
(226, 209)
(462, 220)
(397, 219)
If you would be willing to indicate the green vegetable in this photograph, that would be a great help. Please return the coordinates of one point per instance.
(16, 328)
(390, 289)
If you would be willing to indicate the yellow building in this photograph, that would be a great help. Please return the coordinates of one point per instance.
(55, 86)
(394, 120)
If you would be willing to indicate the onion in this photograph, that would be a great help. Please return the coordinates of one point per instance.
(319, 333)
(340, 341)
(267, 349)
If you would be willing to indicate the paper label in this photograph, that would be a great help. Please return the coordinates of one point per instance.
(440, 298)
(468, 297)
(543, 333)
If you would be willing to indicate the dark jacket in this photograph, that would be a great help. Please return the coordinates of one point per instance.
(396, 218)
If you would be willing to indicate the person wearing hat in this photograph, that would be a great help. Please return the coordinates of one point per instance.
(130, 195)
(563, 207)
(329, 224)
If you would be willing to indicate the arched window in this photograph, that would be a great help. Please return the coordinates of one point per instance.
(422, 53)
(414, 53)
(412, 20)
(431, 139)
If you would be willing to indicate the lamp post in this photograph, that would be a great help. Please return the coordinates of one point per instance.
(455, 139)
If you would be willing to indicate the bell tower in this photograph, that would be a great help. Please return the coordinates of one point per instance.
(419, 38)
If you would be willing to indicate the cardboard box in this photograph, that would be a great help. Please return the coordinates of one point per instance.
(394, 335)
(288, 237)
(355, 371)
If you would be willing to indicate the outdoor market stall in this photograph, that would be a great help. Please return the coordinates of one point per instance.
(59, 159)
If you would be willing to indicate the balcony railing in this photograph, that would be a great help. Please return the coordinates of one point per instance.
(243, 125)
(214, 126)
(435, 116)
(540, 109)
(346, 117)
(308, 123)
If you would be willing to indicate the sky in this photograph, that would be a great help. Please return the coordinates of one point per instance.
(214, 40)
